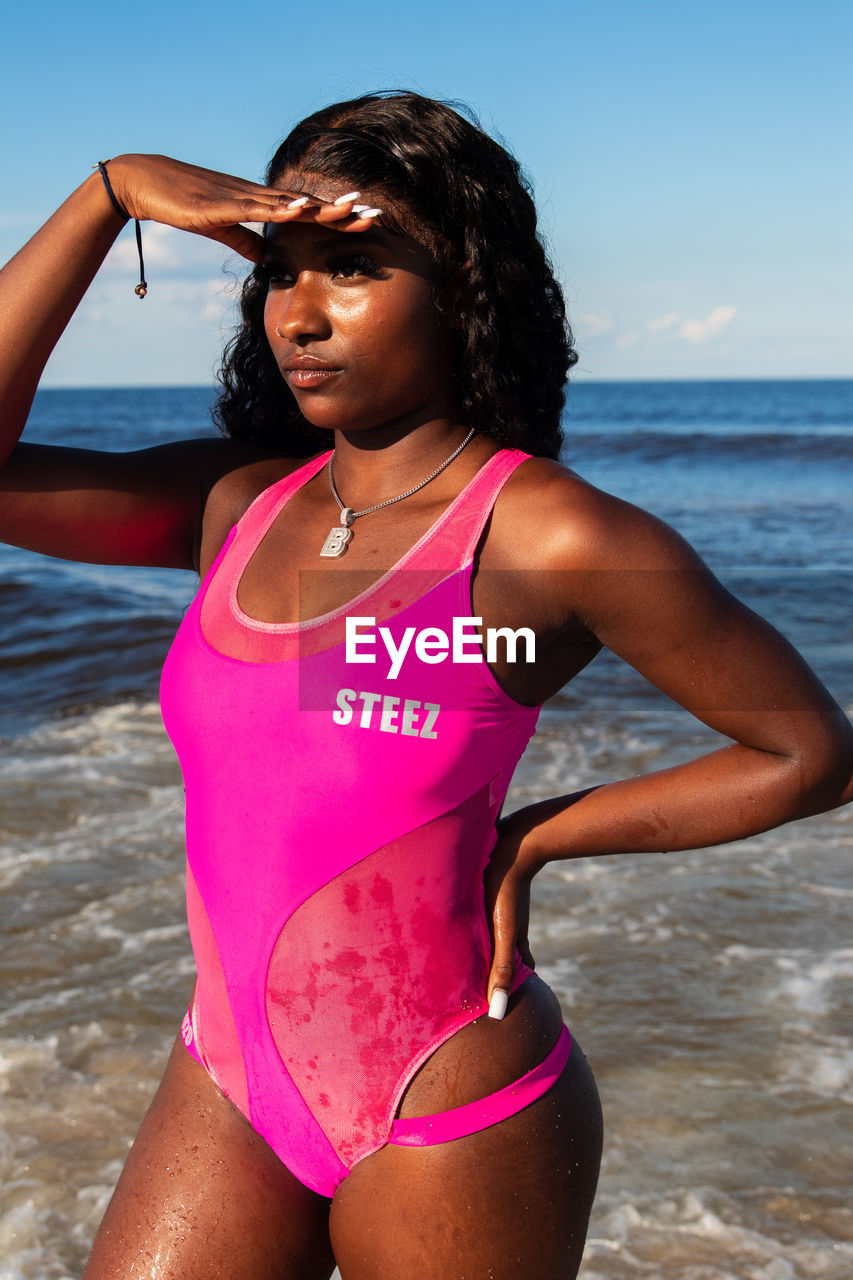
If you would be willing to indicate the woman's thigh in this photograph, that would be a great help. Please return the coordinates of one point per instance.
(203, 1196)
(513, 1200)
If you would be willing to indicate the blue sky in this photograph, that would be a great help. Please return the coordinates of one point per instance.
(691, 161)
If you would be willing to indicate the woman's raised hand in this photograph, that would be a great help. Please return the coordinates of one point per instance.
(216, 205)
(42, 491)
(41, 287)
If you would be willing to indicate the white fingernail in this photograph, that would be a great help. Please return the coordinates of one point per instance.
(360, 208)
(370, 213)
(498, 1003)
(298, 203)
(350, 195)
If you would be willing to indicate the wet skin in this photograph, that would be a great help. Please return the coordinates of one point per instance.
(202, 1195)
(354, 327)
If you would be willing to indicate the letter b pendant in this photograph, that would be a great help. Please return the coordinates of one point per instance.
(336, 543)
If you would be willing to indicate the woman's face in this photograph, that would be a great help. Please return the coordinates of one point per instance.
(352, 321)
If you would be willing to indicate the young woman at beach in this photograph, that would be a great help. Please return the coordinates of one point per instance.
(338, 1093)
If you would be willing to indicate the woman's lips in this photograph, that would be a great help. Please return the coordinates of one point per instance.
(305, 377)
(308, 371)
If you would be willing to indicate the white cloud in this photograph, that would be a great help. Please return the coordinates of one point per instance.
(219, 298)
(702, 330)
(175, 335)
(180, 303)
(626, 339)
(595, 323)
(168, 251)
(159, 245)
(665, 322)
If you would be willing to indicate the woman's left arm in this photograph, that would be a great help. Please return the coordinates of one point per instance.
(643, 592)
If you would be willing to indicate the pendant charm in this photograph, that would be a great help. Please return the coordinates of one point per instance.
(336, 543)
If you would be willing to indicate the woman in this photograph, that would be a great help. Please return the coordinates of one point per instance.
(337, 1093)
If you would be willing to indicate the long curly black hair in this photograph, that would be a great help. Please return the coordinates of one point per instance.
(512, 346)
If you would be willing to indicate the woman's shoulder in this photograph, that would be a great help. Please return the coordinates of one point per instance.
(248, 470)
(549, 515)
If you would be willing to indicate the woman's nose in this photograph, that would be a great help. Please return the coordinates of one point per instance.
(301, 313)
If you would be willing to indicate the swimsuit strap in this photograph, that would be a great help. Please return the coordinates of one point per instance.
(449, 543)
(452, 541)
(446, 1126)
(260, 514)
(446, 548)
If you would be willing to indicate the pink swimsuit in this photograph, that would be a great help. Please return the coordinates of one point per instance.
(339, 822)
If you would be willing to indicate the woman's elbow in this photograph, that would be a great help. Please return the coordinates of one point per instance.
(826, 766)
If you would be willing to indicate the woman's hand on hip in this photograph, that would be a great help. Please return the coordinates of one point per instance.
(511, 869)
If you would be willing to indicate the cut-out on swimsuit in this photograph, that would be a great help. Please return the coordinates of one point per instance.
(338, 827)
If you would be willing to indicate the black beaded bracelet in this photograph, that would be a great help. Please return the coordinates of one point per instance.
(142, 288)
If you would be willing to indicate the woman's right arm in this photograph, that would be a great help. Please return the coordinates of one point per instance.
(39, 292)
(126, 508)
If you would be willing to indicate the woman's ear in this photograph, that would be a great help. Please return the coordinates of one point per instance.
(452, 294)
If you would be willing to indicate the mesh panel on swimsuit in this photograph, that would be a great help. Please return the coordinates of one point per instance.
(388, 951)
(338, 826)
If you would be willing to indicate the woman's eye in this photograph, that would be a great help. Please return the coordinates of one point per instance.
(348, 267)
(275, 276)
(357, 264)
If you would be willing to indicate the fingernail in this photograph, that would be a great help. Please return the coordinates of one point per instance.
(369, 213)
(298, 203)
(498, 1003)
(350, 195)
(357, 208)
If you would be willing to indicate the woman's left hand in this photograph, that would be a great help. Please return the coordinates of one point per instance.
(522, 850)
(507, 881)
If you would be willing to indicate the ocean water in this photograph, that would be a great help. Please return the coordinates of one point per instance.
(712, 990)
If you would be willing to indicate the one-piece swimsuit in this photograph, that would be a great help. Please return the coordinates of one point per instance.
(340, 816)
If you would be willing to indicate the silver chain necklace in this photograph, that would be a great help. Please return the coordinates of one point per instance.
(340, 535)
